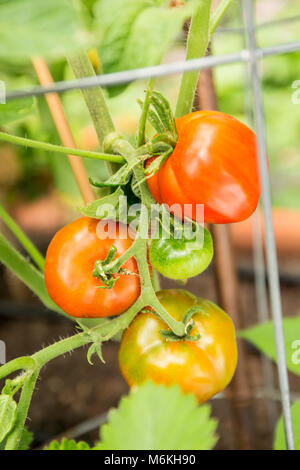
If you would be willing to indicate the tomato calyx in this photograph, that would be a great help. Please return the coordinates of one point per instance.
(160, 116)
(107, 269)
(189, 323)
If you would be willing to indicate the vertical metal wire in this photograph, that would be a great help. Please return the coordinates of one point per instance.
(261, 294)
(272, 266)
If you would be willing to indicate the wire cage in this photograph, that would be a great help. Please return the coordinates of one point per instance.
(250, 56)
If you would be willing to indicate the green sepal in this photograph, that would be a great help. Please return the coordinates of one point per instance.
(191, 312)
(120, 178)
(157, 163)
(95, 348)
(93, 209)
(163, 109)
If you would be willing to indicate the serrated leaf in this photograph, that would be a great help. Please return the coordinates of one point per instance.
(16, 109)
(29, 28)
(67, 444)
(279, 440)
(155, 417)
(139, 32)
(8, 409)
(262, 336)
(103, 208)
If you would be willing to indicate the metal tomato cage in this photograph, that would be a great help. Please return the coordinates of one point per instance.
(251, 56)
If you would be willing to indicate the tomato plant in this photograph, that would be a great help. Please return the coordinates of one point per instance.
(203, 366)
(170, 337)
(70, 264)
(214, 163)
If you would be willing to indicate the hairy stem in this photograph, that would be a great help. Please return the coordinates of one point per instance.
(13, 139)
(140, 138)
(218, 14)
(197, 43)
(94, 98)
(14, 438)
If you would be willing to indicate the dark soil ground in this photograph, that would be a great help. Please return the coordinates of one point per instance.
(70, 391)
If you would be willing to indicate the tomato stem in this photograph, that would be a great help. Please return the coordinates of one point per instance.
(13, 139)
(95, 101)
(140, 138)
(14, 438)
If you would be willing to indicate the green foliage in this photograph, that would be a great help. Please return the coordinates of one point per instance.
(8, 409)
(29, 28)
(26, 439)
(279, 440)
(25, 271)
(67, 444)
(262, 336)
(157, 417)
(15, 110)
(139, 32)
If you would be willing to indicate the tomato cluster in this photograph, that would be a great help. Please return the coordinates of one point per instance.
(214, 163)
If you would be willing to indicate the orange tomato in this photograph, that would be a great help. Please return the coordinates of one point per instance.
(69, 268)
(214, 163)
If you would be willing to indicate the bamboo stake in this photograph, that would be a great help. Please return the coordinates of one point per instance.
(63, 128)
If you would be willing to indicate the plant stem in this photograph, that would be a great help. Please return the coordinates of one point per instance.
(24, 363)
(218, 14)
(197, 43)
(140, 138)
(13, 139)
(94, 98)
(23, 239)
(13, 440)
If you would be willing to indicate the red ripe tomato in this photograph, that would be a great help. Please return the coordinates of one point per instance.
(203, 367)
(69, 268)
(214, 163)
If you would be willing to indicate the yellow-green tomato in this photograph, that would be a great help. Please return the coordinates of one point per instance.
(182, 258)
(203, 367)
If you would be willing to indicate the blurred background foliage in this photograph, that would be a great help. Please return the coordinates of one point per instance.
(28, 174)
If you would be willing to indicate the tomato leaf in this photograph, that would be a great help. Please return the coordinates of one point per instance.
(8, 409)
(120, 178)
(15, 110)
(279, 440)
(139, 32)
(29, 28)
(262, 336)
(155, 417)
(67, 444)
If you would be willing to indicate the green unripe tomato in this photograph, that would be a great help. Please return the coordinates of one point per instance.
(182, 258)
